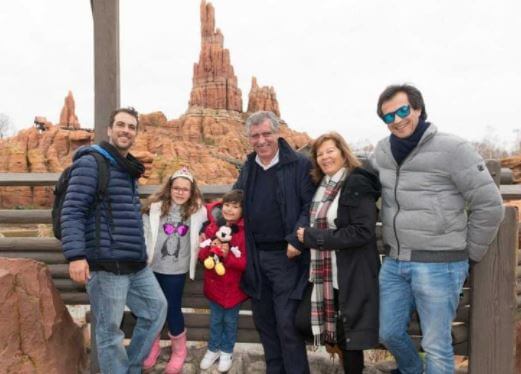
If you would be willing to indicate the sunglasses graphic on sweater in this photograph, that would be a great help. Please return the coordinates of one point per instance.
(172, 244)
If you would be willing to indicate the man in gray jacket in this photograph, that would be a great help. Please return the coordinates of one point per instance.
(440, 208)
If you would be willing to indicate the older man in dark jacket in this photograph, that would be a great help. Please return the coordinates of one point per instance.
(108, 253)
(278, 189)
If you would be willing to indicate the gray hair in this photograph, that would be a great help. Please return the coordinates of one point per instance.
(259, 117)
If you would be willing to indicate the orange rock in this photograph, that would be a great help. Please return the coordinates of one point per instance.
(214, 81)
(262, 98)
(37, 332)
(68, 116)
(513, 163)
(209, 137)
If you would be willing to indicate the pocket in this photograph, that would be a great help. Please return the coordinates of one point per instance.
(90, 280)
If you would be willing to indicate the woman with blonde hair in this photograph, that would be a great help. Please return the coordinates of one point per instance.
(172, 219)
(344, 260)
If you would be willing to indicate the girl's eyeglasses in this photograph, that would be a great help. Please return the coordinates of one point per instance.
(401, 112)
(180, 229)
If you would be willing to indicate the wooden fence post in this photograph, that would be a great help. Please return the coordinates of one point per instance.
(493, 300)
(106, 63)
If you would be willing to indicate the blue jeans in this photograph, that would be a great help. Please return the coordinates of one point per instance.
(223, 328)
(434, 290)
(172, 286)
(108, 294)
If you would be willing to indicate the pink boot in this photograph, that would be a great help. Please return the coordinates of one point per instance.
(151, 359)
(175, 364)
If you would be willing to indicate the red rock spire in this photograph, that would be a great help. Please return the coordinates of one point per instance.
(68, 116)
(262, 98)
(214, 81)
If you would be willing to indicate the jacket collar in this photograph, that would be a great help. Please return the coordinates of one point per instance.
(427, 135)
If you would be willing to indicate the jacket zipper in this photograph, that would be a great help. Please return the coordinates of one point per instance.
(413, 152)
(398, 208)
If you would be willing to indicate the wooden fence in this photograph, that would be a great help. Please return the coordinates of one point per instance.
(483, 328)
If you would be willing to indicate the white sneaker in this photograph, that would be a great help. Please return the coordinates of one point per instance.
(208, 359)
(225, 362)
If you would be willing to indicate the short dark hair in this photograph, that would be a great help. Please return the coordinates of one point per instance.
(129, 110)
(413, 95)
(234, 196)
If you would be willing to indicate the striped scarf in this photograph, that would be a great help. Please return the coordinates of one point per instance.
(323, 316)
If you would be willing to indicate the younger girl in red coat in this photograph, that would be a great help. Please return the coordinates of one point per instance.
(223, 290)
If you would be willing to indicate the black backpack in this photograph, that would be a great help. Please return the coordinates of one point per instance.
(60, 190)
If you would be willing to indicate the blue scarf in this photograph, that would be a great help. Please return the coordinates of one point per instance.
(401, 148)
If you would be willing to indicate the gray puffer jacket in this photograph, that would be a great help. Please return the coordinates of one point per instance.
(440, 204)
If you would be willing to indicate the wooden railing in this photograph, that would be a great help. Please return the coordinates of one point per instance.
(483, 327)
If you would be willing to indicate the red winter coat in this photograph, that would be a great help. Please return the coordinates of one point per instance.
(224, 289)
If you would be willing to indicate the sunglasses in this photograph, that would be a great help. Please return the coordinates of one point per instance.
(180, 229)
(401, 112)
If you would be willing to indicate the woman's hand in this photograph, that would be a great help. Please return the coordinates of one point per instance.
(300, 234)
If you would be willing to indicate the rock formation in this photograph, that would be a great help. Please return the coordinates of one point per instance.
(68, 116)
(262, 98)
(209, 137)
(214, 82)
(37, 333)
(513, 163)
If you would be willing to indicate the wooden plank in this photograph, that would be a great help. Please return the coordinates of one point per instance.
(510, 192)
(60, 271)
(75, 298)
(210, 191)
(28, 179)
(45, 257)
(493, 303)
(15, 216)
(14, 244)
(106, 64)
(507, 176)
(65, 285)
(494, 168)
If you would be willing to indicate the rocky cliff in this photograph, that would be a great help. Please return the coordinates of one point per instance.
(209, 137)
(214, 81)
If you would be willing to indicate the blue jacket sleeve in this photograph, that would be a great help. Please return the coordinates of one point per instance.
(79, 199)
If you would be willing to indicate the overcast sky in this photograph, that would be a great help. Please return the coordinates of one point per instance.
(328, 60)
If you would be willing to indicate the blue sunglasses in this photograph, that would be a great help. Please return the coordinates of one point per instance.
(401, 112)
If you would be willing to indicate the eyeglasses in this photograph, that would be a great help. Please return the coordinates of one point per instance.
(401, 112)
(180, 189)
(180, 229)
(267, 134)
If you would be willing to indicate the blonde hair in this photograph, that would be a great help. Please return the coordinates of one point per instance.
(350, 160)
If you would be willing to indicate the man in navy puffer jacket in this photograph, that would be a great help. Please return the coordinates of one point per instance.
(115, 273)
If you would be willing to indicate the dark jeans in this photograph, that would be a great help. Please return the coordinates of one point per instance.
(274, 315)
(223, 328)
(172, 286)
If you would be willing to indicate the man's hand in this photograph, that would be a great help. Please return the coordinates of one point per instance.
(292, 252)
(300, 234)
(79, 271)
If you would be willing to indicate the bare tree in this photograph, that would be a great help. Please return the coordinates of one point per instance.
(5, 125)
(491, 147)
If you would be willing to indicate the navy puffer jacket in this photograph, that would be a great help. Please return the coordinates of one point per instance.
(121, 241)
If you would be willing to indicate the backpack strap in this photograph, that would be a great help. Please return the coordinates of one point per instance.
(101, 192)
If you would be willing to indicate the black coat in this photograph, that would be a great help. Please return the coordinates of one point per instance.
(354, 242)
(294, 193)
